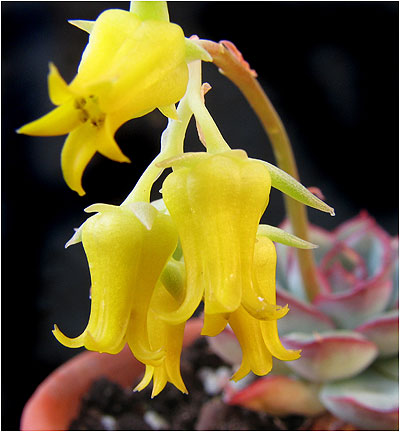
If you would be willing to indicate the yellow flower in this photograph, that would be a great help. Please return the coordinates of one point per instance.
(259, 339)
(127, 248)
(129, 67)
(167, 338)
(216, 201)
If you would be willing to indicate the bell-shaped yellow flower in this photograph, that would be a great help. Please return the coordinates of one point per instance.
(216, 201)
(129, 67)
(167, 338)
(127, 248)
(259, 339)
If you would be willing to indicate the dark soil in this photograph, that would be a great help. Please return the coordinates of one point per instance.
(107, 406)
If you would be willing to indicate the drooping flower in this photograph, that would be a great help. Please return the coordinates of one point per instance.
(127, 248)
(129, 67)
(166, 337)
(259, 339)
(216, 201)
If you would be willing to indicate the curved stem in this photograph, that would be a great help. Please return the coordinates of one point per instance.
(213, 138)
(171, 145)
(232, 65)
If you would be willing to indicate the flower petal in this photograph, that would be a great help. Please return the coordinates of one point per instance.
(58, 89)
(59, 121)
(369, 401)
(79, 148)
(255, 353)
(106, 144)
(330, 355)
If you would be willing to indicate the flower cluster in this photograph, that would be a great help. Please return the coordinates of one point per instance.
(153, 263)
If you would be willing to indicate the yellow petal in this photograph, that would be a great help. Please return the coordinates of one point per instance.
(260, 298)
(248, 332)
(69, 342)
(58, 89)
(78, 150)
(214, 324)
(217, 202)
(106, 144)
(108, 34)
(243, 370)
(148, 375)
(269, 330)
(158, 245)
(59, 121)
(264, 270)
(159, 381)
(168, 337)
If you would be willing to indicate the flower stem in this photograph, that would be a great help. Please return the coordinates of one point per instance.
(231, 64)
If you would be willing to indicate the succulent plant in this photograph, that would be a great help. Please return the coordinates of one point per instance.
(348, 334)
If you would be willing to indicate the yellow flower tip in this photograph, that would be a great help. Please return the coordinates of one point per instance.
(66, 341)
(59, 91)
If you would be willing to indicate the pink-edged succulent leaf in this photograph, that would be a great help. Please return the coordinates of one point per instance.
(287, 271)
(279, 395)
(352, 308)
(330, 355)
(302, 317)
(370, 401)
(394, 299)
(384, 332)
(370, 241)
(226, 346)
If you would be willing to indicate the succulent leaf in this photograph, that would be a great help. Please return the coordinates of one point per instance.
(384, 332)
(370, 401)
(330, 355)
(352, 308)
(226, 346)
(274, 395)
(303, 317)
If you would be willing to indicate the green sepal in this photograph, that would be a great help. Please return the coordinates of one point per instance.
(278, 235)
(290, 186)
(196, 52)
(150, 10)
(84, 25)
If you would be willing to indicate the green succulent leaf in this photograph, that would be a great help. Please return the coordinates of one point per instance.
(302, 316)
(274, 394)
(370, 401)
(383, 330)
(388, 367)
(330, 355)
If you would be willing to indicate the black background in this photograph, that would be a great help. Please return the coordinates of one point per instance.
(331, 71)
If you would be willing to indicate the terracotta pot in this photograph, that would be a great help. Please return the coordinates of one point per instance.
(56, 401)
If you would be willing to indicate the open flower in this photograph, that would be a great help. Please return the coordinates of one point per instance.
(166, 337)
(216, 201)
(127, 248)
(129, 67)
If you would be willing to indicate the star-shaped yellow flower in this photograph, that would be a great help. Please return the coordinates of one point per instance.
(129, 67)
